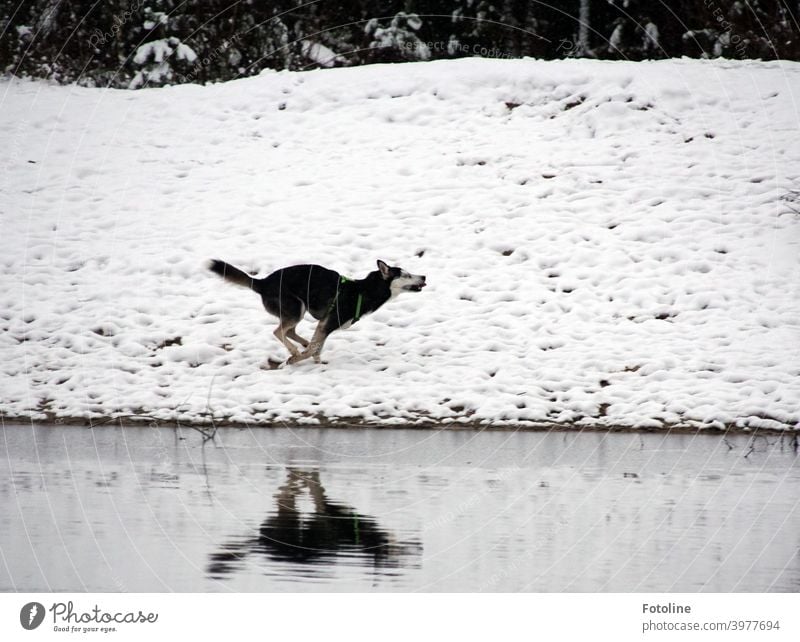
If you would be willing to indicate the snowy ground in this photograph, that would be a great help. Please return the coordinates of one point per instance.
(605, 243)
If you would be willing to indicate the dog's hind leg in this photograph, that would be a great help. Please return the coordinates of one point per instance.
(290, 312)
(314, 349)
(282, 332)
(292, 334)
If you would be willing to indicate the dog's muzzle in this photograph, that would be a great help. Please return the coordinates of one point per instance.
(417, 285)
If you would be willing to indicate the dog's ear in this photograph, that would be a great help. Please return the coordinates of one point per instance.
(384, 269)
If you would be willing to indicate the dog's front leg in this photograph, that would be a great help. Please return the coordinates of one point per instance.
(297, 358)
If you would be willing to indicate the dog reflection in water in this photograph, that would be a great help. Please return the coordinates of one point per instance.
(332, 529)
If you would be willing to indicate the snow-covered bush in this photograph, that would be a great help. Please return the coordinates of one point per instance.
(399, 41)
(320, 55)
(161, 61)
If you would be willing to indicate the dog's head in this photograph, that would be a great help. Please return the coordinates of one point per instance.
(399, 280)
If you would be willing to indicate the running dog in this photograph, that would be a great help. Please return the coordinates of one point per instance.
(334, 300)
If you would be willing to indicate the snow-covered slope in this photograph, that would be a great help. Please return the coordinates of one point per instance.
(605, 243)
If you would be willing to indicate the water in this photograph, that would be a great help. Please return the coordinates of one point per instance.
(146, 509)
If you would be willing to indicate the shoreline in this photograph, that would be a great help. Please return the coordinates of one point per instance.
(355, 423)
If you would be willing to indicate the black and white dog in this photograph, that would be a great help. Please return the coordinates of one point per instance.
(334, 300)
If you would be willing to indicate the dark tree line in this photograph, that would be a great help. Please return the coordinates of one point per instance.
(133, 43)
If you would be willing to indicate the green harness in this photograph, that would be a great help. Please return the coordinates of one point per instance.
(359, 300)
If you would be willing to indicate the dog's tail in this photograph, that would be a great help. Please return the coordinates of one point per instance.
(234, 275)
